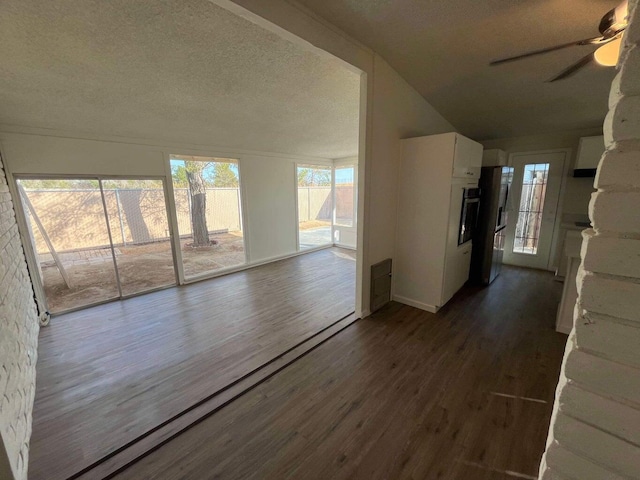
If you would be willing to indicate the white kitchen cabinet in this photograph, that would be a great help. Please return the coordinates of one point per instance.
(430, 266)
(590, 150)
(494, 157)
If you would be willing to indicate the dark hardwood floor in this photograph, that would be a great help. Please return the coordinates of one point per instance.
(463, 394)
(108, 374)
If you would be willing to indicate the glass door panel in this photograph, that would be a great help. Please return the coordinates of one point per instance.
(315, 206)
(68, 229)
(530, 208)
(208, 208)
(533, 205)
(345, 199)
(137, 215)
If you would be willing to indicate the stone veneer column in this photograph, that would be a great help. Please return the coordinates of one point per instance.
(595, 428)
(18, 344)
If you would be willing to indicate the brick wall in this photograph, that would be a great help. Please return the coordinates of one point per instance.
(18, 343)
(595, 428)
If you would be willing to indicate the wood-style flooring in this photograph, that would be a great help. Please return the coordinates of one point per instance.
(110, 373)
(463, 394)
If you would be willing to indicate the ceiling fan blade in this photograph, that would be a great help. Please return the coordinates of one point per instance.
(573, 69)
(586, 41)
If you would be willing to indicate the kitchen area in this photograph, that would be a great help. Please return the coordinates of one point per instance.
(590, 149)
(459, 208)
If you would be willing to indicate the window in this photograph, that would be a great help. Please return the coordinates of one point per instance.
(345, 196)
(97, 239)
(315, 206)
(208, 209)
(534, 186)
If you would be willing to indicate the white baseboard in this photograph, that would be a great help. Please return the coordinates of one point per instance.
(257, 263)
(346, 247)
(414, 303)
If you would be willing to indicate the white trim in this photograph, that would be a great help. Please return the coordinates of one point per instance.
(414, 303)
(559, 206)
(365, 145)
(346, 247)
(173, 220)
(244, 214)
(247, 266)
(555, 238)
(297, 209)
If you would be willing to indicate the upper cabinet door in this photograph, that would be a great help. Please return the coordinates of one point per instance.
(467, 159)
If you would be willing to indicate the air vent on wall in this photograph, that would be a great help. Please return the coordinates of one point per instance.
(380, 284)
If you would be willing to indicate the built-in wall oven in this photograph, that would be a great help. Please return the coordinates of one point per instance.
(469, 214)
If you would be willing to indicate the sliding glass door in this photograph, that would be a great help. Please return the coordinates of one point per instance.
(97, 239)
(344, 225)
(137, 214)
(208, 210)
(315, 206)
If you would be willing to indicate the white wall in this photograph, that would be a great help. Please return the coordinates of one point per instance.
(267, 180)
(399, 112)
(270, 195)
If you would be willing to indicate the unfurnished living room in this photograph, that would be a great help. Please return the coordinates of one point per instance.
(319, 240)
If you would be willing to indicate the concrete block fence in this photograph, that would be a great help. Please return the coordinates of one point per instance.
(595, 427)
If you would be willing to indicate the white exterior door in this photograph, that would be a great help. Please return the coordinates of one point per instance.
(533, 205)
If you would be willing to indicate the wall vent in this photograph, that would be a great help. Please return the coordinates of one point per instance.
(380, 284)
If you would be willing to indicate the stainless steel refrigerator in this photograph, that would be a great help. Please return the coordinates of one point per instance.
(489, 239)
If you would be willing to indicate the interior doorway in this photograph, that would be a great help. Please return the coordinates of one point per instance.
(97, 239)
(537, 178)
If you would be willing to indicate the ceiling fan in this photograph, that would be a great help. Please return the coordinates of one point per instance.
(612, 26)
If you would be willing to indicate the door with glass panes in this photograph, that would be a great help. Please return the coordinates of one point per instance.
(533, 205)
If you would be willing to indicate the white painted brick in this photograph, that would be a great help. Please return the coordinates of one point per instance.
(615, 211)
(552, 475)
(609, 296)
(620, 167)
(611, 255)
(610, 452)
(575, 466)
(18, 342)
(628, 84)
(608, 337)
(632, 34)
(623, 121)
(597, 411)
(615, 94)
(601, 360)
(610, 379)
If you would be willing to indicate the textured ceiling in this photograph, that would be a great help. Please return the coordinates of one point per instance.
(443, 49)
(179, 70)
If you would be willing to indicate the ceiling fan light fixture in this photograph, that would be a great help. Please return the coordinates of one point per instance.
(608, 54)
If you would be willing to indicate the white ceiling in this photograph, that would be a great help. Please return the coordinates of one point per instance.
(179, 70)
(443, 49)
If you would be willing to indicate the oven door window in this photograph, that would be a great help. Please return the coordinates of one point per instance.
(468, 219)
